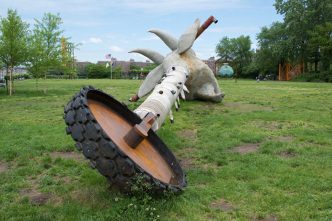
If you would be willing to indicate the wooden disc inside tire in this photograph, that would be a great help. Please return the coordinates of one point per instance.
(98, 123)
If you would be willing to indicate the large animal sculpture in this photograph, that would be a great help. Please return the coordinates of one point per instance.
(201, 82)
(122, 144)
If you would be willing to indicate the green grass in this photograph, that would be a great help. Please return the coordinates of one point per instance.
(288, 176)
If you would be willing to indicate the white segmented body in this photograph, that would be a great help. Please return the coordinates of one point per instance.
(164, 95)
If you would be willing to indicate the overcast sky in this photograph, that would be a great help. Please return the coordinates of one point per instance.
(118, 26)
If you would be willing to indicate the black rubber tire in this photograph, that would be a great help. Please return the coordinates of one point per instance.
(103, 153)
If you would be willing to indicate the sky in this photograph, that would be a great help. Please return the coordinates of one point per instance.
(118, 26)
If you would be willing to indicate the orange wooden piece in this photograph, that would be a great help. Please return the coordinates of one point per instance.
(116, 127)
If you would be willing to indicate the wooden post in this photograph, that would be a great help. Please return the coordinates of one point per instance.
(280, 72)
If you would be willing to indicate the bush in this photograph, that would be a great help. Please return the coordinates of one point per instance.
(98, 71)
(18, 77)
(324, 76)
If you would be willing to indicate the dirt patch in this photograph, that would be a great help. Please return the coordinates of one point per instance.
(187, 151)
(246, 148)
(222, 205)
(271, 125)
(287, 154)
(67, 155)
(242, 107)
(3, 167)
(189, 134)
(187, 163)
(268, 218)
(208, 166)
(35, 197)
(285, 139)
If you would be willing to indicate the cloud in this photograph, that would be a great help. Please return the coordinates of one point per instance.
(95, 40)
(115, 48)
(171, 6)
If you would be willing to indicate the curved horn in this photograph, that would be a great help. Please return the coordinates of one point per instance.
(150, 81)
(154, 56)
(168, 39)
(187, 39)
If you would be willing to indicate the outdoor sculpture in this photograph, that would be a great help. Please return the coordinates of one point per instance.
(122, 144)
(201, 83)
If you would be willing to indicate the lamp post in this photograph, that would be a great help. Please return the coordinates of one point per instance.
(109, 56)
(111, 68)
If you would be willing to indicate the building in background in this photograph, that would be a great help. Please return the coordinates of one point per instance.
(127, 66)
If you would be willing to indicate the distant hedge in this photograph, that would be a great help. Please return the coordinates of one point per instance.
(324, 76)
(19, 76)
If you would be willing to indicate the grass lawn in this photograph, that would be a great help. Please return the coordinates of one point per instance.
(264, 153)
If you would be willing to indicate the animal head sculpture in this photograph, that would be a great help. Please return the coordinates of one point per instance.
(200, 82)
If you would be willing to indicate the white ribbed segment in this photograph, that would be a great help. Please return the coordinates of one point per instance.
(164, 95)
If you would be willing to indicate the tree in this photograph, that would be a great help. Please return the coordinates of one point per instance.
(98, 71)
(321, 42)
(237, 51)
(301, 19)
(243, 53)
(67, 58)
(273, 47)
(49, 33)
(13, 43)
(225, 49)
(117, 72)
(36, 64)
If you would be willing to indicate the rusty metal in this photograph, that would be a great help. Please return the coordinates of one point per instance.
(205, 25)
(135, 136)
(134, 98)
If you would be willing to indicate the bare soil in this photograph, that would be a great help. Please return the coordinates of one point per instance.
(3, 167)
(246, 148)
(222, 205)
(189, 134)
(268, 218)
(187, 163)
(271, 125)
(285, 139)
(287, 154)
(67, 155)
(242, 107)
(35, 197)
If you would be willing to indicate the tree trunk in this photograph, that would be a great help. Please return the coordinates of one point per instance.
(6, 79)
(10, 81)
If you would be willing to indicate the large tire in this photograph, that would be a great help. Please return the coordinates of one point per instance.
(104, 154)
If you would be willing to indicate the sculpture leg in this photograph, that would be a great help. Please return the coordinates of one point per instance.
(207, 93)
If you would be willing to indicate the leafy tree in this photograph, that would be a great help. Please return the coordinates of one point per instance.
(117, 73)
(36, 65)
(321, 42)
(98, 71)
(225, 49)
(48, 32)
(302, 19)
(149, 68)
(304, 36)
(13, 43)
(134, 68)
(67, 58)
(237, 51)
(243, 53)
(273, 47)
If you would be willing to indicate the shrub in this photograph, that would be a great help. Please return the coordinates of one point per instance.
(19, 76)
(324, 76)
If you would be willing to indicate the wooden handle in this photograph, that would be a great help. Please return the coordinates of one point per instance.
(205, 25)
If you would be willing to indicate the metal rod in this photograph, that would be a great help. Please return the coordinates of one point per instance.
(205, 25)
